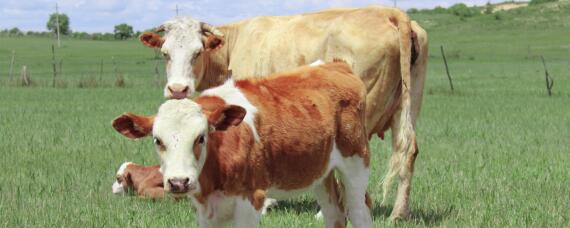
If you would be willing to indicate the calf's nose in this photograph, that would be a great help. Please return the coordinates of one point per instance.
(178, 91)
(179, 185)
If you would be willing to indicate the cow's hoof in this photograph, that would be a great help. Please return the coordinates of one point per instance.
(397, 216)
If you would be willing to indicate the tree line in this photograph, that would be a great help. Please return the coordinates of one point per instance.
(121, 31)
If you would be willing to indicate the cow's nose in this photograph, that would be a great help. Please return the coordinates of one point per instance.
(178, 91)
(179, 185)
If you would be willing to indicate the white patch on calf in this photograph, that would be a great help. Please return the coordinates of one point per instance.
(232, 95)
(118, 187)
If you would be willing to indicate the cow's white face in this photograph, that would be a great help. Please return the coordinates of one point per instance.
(184, 41)
(182, 46)
(179, 131)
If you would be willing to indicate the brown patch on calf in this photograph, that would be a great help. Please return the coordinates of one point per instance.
(257, 199)
(368, 201)
(133, 126)
(146, 181)
(151, 40)
(220, 115)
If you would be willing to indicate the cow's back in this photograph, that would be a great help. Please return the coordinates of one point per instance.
(366, 38)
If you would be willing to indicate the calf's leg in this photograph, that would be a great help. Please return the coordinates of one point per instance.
(245, 214)
(328, 197)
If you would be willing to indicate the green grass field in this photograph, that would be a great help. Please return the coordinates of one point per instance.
(493, 153)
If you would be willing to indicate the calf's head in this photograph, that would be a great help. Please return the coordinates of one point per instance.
(180, 133)
(122, 179)
(183, 47)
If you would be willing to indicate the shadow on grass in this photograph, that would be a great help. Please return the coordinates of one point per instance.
(419, 216)
(297, 206)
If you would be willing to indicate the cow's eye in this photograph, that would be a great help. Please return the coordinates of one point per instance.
(201, 139)
(157, 142)
(166, 56)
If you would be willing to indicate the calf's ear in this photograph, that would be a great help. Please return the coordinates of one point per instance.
(133, 126)
(151, 39)
(229, 115)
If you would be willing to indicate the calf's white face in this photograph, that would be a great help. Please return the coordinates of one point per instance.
(179, 133)
(184, 41)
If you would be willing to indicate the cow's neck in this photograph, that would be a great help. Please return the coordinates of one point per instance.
(216, 64)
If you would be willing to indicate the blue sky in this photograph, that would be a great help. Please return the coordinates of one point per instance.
(102, 15)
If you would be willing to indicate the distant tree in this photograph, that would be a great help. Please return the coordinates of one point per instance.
(463, 10)
(412, 10)
(15, 30)
(489, 8)
(63, 23)
(80, 35)
(439, 10)
(123, 31)
(537, 2)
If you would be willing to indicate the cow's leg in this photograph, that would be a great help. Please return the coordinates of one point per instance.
(327, 194)
(401, 165)
(245, 214)
(355, 176)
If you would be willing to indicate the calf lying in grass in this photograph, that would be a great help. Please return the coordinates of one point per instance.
(145, 181)
(298, 128)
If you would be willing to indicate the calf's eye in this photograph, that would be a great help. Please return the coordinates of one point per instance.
(157, 142)
(201, 139)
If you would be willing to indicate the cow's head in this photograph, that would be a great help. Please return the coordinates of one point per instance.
(180, 133)
(184, 44)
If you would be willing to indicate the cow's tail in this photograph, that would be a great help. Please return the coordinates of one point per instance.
(405, 139)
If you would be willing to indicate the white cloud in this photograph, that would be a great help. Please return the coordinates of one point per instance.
(102, 15)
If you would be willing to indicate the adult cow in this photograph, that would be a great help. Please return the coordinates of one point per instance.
(383, 46)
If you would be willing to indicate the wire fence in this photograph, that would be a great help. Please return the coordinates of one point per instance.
(81, 71)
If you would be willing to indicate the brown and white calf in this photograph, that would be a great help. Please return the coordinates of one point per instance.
(146, 181)
(296, 128)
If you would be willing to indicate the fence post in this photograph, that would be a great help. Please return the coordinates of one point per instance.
(54, 64)
(24, 75)
(446, 68)
(549, 80)
(11, 75)
(61, 67)
(101, 72)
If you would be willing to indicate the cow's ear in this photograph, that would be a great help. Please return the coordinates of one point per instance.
(229, 115)
(151, 39)
(213, 42)
(133, 126)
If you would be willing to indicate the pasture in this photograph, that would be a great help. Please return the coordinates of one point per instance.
(495, 152)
